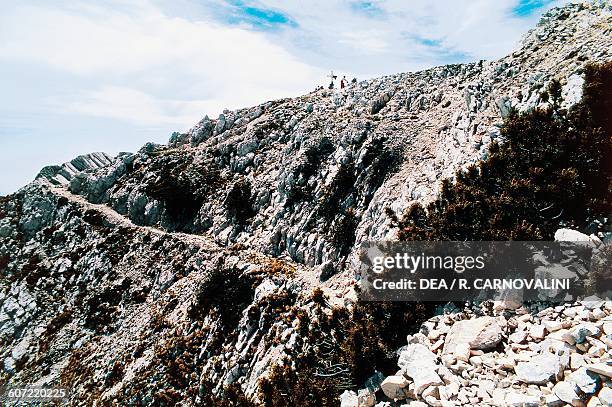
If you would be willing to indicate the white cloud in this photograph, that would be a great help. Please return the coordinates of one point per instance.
(136, 61)
(138, 107)
(371, 41)
(382, 38)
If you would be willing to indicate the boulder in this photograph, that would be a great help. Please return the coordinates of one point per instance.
(569, 235)
(420, 364)
(480, 333)
(540, 369)
(588, 382)
(567, 392)
(395, 387)
(417, 355)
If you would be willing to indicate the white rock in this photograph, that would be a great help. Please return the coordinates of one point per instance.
(552, 326)
(552, 400)
(598, 313)
(518, 337)
(577, 361)
(605, 396)
(431, 391)
(394, 387)
(597, 348)
(506, 304)
(594, 402)
(416, 355)
(569, 235)
(507, 363)
(592, 302)
(366, 398)
(601, 369)
(462, 352)
(537, 331)
(499, 396)
(420, 364)
(480, 333)
(521, 400)
(349, 399)
(424, 378)
(567, 392)
(579, 333)
(540, 369)
(586, 381)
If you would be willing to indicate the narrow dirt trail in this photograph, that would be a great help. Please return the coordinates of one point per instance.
(307, 276)
(117, 219)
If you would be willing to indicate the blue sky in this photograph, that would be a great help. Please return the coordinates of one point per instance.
(83, 76)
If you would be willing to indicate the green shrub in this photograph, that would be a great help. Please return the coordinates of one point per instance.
(552, 170)
(227, 292)
(239, 203)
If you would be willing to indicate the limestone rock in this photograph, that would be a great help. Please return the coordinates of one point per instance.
(349, 399)
(605, 396)
(569, 235)
(480, 333)
(521, 400)
(601, 369)
(540, 369)
(587, 381)
(567, 392)
(394, 387)
(420, 364)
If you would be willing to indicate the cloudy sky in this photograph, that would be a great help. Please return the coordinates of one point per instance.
(83, 76)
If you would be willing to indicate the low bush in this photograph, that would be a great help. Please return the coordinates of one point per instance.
(226, 293)
(239, 203)
(552, 170)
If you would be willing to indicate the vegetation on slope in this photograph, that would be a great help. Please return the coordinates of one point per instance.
(552, 170)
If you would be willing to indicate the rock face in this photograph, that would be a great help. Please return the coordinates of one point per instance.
(193, 264)
(62, 174)
(313, 168)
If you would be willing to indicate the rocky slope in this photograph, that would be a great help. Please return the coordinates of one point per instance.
(139, 278)
(554, 356)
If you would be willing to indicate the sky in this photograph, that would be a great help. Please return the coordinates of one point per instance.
(84, 76)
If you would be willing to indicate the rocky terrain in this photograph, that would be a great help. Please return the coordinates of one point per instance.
(181, 274)
(556, 356)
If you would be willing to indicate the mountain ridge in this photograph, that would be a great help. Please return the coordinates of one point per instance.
(113, 266)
